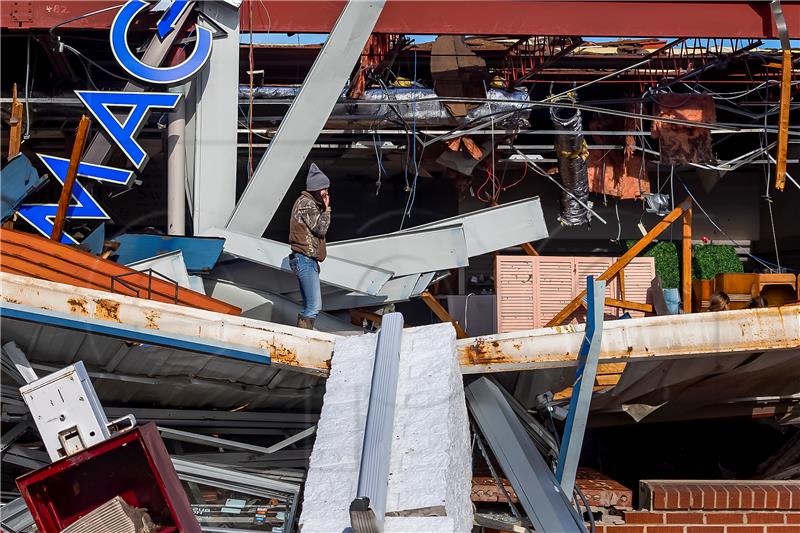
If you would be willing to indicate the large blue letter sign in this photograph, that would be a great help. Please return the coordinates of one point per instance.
(41, 216)
(150, 74)
(138, 105)
(100, 104)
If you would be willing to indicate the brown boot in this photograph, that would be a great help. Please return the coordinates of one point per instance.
(305, 323)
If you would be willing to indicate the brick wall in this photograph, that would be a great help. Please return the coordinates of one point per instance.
(713, 507)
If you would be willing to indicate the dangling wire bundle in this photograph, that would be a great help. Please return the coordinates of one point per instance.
(572, 152)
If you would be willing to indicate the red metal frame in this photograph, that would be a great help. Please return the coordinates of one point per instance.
(134, 465)
(653, 18)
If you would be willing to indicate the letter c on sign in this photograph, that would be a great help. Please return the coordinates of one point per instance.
(147, 73)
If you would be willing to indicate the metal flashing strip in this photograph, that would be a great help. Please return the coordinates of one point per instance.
(537, 489)
(234, 477)
(122, 331)
(338, 272)
(305, 118)
(520, 222)
(373, 475)
(408, 252)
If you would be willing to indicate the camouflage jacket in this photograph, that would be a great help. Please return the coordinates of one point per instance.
(308, 226)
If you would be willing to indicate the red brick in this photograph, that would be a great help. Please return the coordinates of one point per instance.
(625, 529)
(709, 497)
(759, 497)
(724, 518)
(684, 518)
(795, 497)
(658, 497)
(685, 501)
(744, 529)
(673, 498)
(784, 497)
(793, 518)
(697, 501)
(705, 529)
(643, 517)
(765, 518)
(748, 497)
(783, 529)
(772, 498)
(664, 529)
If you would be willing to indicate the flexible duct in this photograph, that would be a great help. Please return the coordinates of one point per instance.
(572, 152)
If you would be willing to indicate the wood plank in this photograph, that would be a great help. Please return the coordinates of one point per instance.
(686, 264)
(624, 304)
(69, 179)
(529, 249)
(783, 121)
(623, 261)
(442, 314)
(16, 122)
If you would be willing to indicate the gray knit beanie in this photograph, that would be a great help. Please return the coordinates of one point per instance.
(316, 180)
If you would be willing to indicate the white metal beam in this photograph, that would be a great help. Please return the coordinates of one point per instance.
(343, 273)
(494, 228)
(306, 117)
(408, 252)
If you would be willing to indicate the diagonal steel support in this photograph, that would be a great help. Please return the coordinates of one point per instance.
(537, 489)
(369, 507)
(581, 399)
(306, 117)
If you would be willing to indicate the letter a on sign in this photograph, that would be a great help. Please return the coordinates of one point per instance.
(100, 104)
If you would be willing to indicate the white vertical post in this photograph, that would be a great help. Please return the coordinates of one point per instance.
(176, 170)
(215, 120)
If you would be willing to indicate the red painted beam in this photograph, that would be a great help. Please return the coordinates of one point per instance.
(498, 17)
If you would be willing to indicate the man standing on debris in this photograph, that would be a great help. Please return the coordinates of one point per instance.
(311, 218)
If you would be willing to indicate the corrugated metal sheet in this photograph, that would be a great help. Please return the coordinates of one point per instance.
(30, 255)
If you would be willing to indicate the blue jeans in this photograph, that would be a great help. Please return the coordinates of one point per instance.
(307, 271)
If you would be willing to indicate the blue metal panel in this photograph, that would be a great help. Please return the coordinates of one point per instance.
(199, 253)
(17, 180)
(121, 331)
(588, 358)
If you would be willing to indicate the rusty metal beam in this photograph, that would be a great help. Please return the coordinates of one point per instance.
(716, 18)
(771, 329)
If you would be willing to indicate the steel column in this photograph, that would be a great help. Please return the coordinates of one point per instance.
(306, 117)
(216, 113)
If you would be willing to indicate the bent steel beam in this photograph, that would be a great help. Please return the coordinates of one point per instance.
(306, 117)
(339, 272)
